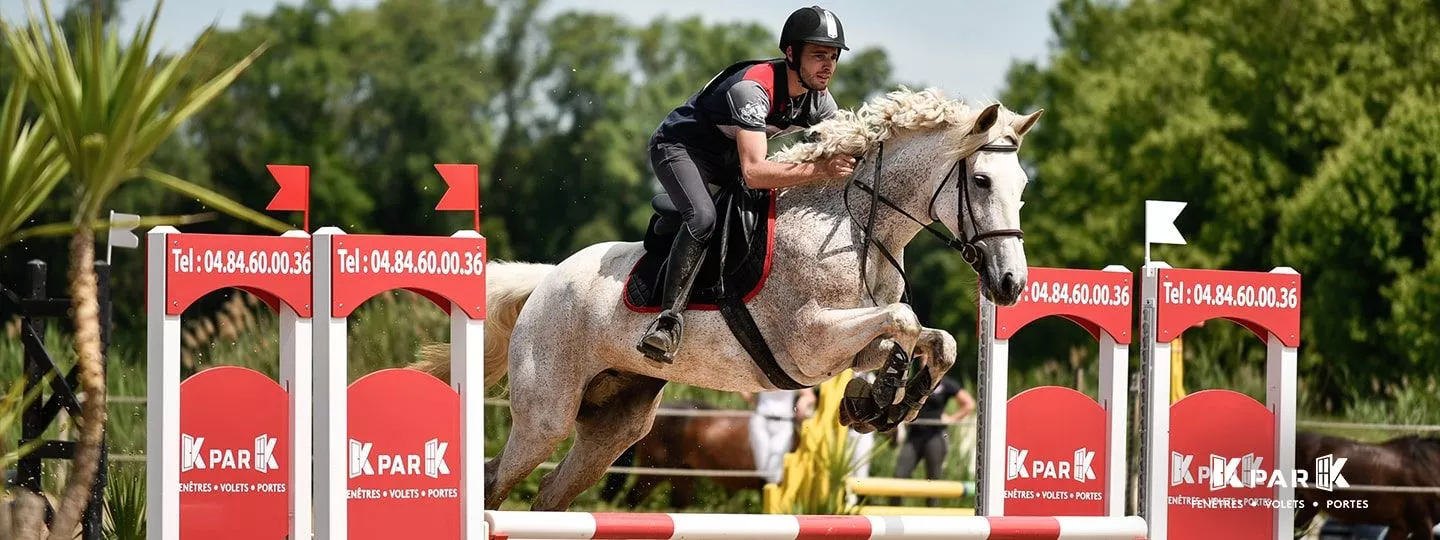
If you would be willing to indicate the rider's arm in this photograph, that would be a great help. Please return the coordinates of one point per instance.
(967, 405)
(749, 103)
(761, 173)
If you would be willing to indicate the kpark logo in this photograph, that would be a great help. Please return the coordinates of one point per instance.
(1079, 470)
(1245, 472)
(194, 455)
(431, 463)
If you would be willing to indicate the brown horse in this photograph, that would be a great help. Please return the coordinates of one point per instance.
(693, 442)
(1402, 461)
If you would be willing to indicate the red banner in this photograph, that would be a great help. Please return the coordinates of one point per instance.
(1217, 438)
(404, 457)
(441, 268)
(1055, 454)
(235, 456)
(1263, 302)
(1094, 299)
(275, 268)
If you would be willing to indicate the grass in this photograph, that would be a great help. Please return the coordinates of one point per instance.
(387, 330)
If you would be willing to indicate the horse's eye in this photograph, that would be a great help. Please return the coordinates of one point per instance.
(982, 181)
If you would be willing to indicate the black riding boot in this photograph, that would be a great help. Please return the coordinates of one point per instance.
(663, 337)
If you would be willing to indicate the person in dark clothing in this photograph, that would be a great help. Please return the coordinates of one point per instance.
(719, 135)
(931, 443)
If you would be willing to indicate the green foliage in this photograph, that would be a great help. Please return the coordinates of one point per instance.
(1270, 141)
(125, 504)
(1376, 255)
(31, 165)
(110, 109)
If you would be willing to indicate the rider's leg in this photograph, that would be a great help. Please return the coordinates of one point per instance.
(683, 181)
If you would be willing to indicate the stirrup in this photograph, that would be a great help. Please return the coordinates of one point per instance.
(672, 332)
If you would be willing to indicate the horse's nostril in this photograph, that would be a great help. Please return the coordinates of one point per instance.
(1008, 284)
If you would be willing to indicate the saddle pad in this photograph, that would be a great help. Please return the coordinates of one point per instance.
(747, 261)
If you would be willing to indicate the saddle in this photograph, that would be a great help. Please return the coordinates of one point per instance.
(737, 261)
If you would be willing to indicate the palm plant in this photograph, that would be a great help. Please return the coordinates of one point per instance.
(108, 110)
(30, 163)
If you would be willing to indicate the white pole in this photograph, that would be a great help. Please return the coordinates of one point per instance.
(162, 395)
(1281, 387)
(994, 395)
(1114, 360)
(467, 377)
(331, 408)
(1155, 476)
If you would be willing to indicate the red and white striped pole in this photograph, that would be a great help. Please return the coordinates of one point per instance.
(513, 525)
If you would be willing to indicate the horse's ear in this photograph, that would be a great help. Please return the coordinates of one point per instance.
(986, 120)
(1024, 123)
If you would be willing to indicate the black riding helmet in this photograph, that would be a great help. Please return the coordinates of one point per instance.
(812, 24)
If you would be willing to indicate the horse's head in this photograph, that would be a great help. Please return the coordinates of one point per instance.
(946, 162)
(978, 199)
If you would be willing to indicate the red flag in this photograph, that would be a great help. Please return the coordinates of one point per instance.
(294, 193)
(463, 193)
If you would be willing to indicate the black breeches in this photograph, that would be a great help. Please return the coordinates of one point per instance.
(930, 446)
(686, 177)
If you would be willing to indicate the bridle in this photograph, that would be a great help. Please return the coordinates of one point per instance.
(967, 245)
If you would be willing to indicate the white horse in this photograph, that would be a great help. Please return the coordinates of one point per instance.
(571, 350)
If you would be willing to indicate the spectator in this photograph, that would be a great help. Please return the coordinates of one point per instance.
(772, 428)
(932, 442)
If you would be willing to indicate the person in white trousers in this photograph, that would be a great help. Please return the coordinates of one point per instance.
(772, 428)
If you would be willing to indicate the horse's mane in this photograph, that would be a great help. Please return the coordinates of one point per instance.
(855, 132)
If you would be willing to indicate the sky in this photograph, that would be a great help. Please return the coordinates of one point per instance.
(961, 46)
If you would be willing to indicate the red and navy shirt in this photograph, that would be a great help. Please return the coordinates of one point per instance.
(750, 95)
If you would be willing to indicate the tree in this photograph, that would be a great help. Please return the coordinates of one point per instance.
(1376, 255)
(1199, 102)
(108, 111)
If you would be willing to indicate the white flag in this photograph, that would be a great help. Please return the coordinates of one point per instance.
(1160, 222)
(121, 226)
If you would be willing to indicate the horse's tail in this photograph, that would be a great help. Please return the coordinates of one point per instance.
(507, 287)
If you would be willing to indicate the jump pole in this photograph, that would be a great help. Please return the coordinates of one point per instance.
(520, 525)
(1047, 459)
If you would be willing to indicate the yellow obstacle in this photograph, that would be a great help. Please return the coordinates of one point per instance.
(865, 510)
(909, 487)
(805, 486)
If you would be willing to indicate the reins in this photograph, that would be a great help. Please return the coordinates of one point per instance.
(968, 246)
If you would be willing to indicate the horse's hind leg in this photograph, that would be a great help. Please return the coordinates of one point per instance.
(542, 411)
(617, 412)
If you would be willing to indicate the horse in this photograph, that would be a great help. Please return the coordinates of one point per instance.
(567, 332)
(1403, 461)
(694, 442)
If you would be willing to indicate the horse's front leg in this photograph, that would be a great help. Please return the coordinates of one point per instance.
(875, 408)
(937, 351)
(858, 332)
(891, 331)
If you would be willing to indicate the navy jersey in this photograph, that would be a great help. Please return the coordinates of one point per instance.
(750, 95)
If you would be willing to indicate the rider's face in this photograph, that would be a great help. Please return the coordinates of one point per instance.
(817, 64)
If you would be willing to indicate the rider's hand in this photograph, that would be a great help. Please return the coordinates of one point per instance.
(838, 166)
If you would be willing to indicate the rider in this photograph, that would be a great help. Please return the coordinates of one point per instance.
(720, 133)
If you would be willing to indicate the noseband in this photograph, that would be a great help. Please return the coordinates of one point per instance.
(967, 245)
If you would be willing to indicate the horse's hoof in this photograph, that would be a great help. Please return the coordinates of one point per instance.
(856, 405)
